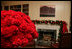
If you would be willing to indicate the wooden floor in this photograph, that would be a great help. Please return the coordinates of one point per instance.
(37, 47)
(43, 47)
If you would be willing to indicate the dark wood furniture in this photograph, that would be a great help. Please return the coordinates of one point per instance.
(65, 41)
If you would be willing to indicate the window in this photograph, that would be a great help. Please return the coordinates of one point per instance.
(26, 9)
(16, 8)
(22, 8)
(6, 7)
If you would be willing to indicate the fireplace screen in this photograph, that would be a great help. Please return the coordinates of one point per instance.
(46, 37)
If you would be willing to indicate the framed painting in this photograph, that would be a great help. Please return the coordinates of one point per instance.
(47, 11)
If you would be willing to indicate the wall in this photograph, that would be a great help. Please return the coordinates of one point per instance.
(62, 11)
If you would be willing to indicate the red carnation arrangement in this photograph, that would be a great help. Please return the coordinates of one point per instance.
(16, 29)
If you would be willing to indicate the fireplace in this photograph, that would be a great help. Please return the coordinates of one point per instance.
(46, 37)
(48, 34)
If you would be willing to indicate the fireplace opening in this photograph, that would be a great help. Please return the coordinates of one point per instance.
(46, 36)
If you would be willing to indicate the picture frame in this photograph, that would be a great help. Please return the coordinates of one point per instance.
(47, 11)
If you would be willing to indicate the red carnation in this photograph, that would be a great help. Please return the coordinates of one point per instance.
(16, 29)
(29, 36)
